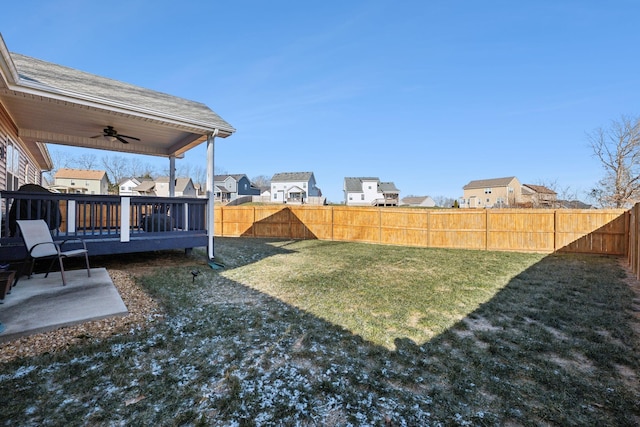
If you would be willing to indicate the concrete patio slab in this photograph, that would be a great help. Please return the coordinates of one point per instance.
(41, 304)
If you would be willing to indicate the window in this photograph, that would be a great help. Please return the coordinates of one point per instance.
(487, 191)
(13, 167)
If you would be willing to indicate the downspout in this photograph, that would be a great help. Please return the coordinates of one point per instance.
(210, 192)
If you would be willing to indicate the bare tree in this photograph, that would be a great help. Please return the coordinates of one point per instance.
(443, 201)
(85, 161)
(618, 149)
(60, 159)
(261, 181)
(117, 167)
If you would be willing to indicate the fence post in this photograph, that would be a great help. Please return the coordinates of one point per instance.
(555, 229)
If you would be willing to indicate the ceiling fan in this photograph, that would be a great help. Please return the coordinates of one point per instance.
(110, 133)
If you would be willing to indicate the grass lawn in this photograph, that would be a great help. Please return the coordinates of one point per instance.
(316, 333)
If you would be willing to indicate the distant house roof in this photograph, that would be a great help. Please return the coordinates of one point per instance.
(123, 180)
(145, 186)
(354, 184)
(540, 189)
(292, 176)
(416, 200)
(487, 183)
(574, 204)
(237, 177)
(182, 183)
(388, 187)
(65, 173)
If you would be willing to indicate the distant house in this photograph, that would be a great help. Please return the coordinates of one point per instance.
(492, 193)
(183, 187)
(295, 187)
(229, 187)
(539, 196)
(369, 191)
(126, 186)
(81, 181)
(146, 188)
(131, 186)
(160, 187)
(420, 201)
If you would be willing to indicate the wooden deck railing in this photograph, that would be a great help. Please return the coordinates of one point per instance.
(111, 224)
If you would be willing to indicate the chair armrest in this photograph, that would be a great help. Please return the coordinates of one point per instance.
(44, 243)
(75, 239)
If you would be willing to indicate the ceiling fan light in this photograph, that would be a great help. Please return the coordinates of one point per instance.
(110, 138)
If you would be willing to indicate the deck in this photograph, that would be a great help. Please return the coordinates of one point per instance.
(107, 224)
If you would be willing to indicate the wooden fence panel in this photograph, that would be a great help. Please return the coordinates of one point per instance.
(457, 229)
(356, 224)
(634, 240)
(406, 227)
(520, 230)
(589, 231)
(592, 231)
(318, 221)
(235, 221)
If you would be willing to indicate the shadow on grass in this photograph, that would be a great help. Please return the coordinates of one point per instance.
(555, 346)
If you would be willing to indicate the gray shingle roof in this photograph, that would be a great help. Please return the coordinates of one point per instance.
(64, 80)
(488, 183)
(388, 187)
(292, 176)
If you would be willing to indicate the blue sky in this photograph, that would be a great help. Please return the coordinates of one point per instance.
(427, 94)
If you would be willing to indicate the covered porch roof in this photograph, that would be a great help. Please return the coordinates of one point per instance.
(50, 103)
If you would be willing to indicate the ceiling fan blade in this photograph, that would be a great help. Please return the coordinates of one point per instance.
(130, 137)
(121, 139)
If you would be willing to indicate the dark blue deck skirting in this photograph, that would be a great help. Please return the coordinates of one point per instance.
(106, 245)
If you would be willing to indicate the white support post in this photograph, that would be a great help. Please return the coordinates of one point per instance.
(185, 225)
(210, 192)
(71, 216)
(172, 176)
(125, 220)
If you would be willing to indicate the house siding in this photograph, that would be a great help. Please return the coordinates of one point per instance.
(292, 190)
(503, 194)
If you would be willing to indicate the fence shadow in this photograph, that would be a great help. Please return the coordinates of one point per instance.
(611, 238)
(282, 224)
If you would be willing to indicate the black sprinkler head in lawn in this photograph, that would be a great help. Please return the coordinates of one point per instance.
(194, 273)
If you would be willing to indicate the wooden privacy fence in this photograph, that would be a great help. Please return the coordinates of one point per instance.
(602, 231)
(633, 254)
